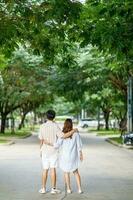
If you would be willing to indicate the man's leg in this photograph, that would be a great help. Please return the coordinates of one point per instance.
(53, 165)
(44, 178)
(54, 190)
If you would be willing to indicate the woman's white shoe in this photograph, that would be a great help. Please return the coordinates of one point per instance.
(42, 191)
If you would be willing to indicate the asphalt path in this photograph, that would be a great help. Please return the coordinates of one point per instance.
(106, 172)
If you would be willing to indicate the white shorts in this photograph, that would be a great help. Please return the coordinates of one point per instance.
(49, 162)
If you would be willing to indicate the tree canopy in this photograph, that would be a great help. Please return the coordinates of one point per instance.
(81, 52)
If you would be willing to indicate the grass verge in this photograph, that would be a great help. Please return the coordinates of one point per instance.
(117, 140)
(17, 134)
(104, 132)
(3, 141)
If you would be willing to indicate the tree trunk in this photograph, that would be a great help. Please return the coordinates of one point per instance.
(106, 117)
(98, 118)
(123, 125)
(22, 121)
(3, 123)
(35, 118)
(12, 125)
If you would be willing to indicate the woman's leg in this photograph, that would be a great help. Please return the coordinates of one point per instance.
(67, 180)
(78, 179)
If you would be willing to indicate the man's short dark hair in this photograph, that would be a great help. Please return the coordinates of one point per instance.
(50, 114)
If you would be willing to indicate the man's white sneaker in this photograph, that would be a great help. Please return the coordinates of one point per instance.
(42, 191)
(55, 191)
(69, 191)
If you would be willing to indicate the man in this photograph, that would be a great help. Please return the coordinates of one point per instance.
(50, 131)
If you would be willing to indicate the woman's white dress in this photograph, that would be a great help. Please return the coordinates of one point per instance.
(69, 152)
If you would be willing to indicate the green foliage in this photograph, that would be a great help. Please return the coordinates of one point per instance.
(109, 25)
(3, 62)
(80, 51)
(67, 76)
(23, 83)
(41, 24)
(21, 79)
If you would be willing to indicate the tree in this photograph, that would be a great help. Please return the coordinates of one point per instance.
(24, 85)
(108, 25)
(41, 24)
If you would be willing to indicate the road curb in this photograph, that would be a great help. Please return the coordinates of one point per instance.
(11, 142)
(26, 136)
(118, 145)
(113, 142)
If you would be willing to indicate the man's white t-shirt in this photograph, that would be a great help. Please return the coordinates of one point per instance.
(49, 131)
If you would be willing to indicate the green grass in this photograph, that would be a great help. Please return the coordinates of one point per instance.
(117, 139)
(104, 132)
(3, 141)
(18, 133)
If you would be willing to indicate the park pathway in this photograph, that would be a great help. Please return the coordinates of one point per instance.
(107, 171)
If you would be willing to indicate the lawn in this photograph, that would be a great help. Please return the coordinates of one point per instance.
(117, 139)
(17, 134)
(3, 141)
(103, 132)
(8, 136)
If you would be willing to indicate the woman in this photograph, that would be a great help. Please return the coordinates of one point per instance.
(70, 154)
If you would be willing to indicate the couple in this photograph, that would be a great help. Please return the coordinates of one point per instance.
(70, 145)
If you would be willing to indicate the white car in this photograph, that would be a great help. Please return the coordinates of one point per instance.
(85, 123)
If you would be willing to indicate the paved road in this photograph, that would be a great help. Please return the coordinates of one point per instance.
(107, 171)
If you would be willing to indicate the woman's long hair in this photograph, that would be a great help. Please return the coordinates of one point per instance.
(68, 126)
